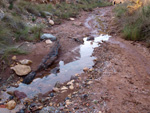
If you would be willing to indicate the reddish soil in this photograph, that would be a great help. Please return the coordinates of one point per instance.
(120, 77)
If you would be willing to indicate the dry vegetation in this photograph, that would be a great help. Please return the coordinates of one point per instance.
(134, 17)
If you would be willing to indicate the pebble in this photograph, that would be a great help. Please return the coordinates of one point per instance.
(48, 42)
(90, 82)
(11, 104)
(14, 58)
(56, 89)
(68, 102)
(72, 19)
(70, 83)
(51, 104)
(85, 69)
(51, 94)
(64, 88)
(71, 87)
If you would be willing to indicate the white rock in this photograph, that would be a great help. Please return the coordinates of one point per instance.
(72, 19)
(25, 62)
(71, 87)
(48, 42)
(11, 105)
(51, 22)
(64, 88)
(70, 83)
(85, 69)
(21, 70)
(55, 89)
(68, 102)
(89, 82)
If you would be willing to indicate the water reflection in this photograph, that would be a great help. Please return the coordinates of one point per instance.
(45, 84)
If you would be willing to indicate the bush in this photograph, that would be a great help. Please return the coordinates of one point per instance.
(135, 26)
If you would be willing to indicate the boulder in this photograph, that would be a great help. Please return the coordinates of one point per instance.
(21, 70)
(48, 36)
(11, 105)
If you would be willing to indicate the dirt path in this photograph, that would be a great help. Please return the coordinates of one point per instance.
(119, 80)
(123, 85)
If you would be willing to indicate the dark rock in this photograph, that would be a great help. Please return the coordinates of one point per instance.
(90, 38)
(51, 94)
(55, 70)
(11, 97)
(29, 78)
(67, 98)
(84, 96)
(46, 62)
(19, 95)
(50, 58)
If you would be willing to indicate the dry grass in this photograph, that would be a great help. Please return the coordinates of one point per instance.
(135, 25)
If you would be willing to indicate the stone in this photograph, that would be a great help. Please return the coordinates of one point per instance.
(48, 36)
(64, 88)
(48, 42)
(21, 70)
(51, 94)
(89, 82)
(14, 58)
(70, 83)
(68, 102)
(51, 22)
(72, 19)
(25, 62)
(71, 87)
(85, 69)
(11, 104)
(90, 38)
(19, 95)
(55, 89)
(51, 104)
(91, 70)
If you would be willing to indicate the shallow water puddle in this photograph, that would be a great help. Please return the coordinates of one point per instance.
(45, 84)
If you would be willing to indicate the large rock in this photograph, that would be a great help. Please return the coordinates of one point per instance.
(48, 36)
(21, 70)
(11, 104)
